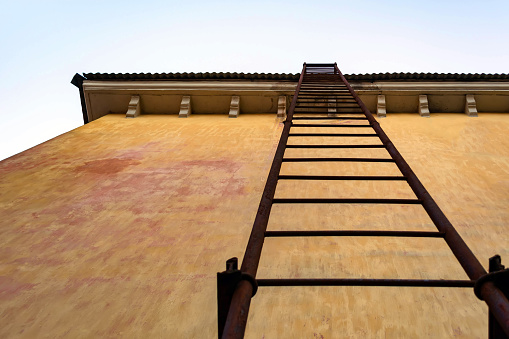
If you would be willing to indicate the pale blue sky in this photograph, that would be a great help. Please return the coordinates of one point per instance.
(45, 42)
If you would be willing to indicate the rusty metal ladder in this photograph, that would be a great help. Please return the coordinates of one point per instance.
(324, 82)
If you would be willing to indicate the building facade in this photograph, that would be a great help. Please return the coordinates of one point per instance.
(117, 228)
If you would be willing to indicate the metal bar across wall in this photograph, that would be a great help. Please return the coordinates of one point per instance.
(367, 282)
(238, 299)
(346, 233)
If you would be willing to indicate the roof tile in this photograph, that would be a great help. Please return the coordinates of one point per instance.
(295, 77)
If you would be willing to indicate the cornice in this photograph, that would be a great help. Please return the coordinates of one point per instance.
(431, 86)
(288, 88)
(183, 86)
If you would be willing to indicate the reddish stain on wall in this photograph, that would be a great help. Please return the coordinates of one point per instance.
(107, 166)
(74, 284)
(10, 287)
(221, 164)
(35, 261)
(222, 183)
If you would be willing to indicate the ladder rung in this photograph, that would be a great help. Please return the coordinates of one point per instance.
(325, 125)
(327, 107)
(309, 83)
(321, 97)
(324, 111)
(322, 86)
(329, 118)
(338, 159)
(332, 135)
(352, 108)
(341, 177)
(328, 114)
(332, 114)
(329, 96)
(326, 101)
(325, 90)
(351, 233)
(343, 90)
(326, 104)
(326, 97)
(312, 94)
(344, 201)
(367, 282)
(334, 146)
(318, 85)
(322, 94)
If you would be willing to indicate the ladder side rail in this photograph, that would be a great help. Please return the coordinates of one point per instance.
(237, 315)
(493, 296)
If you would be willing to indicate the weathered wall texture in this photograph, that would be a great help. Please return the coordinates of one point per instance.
(117, 229)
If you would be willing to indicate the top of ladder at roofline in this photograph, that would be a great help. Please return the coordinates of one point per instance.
(320, 65)
(321, 69)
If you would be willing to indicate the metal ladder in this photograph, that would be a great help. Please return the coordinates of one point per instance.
(324, 95)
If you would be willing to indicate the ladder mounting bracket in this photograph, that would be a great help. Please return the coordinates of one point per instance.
(499, 275)
(227, 282)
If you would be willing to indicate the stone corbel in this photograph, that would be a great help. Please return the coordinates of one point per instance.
(470, 106)
(234, 107)
(381, 110)
(185, 106)
(281, 106)
(134, 107)
(423, 106)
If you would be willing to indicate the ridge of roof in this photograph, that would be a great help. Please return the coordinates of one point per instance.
(429, 76)
(295, 76)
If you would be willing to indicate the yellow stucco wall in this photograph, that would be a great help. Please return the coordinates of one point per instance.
(117, 229)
